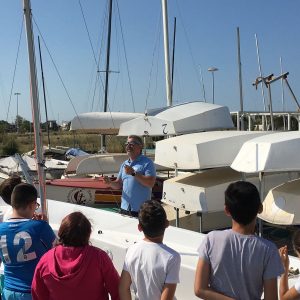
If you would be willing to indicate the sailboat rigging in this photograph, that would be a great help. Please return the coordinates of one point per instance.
(44, 93)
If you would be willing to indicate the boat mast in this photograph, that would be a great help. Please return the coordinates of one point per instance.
(173, 57)
(35, 104)
(240, 121)
(166, 50)
(103, 142)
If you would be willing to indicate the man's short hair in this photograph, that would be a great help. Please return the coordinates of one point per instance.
(136, 138)
(23, 194)
(152, 219)
(75, 230)
(242, 201)
(7, 187)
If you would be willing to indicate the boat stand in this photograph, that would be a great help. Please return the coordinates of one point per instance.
(177, 217)
(199, 214)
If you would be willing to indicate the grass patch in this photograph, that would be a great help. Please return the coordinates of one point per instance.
(89, 142)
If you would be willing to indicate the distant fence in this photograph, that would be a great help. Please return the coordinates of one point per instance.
(258, 120)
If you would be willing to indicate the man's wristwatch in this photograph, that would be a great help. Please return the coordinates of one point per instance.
(133, 173)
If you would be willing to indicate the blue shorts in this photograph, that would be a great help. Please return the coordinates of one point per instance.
(11, 295)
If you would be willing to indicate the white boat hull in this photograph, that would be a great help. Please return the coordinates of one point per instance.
(276, 152)
(202, 150)
(204, 192)
(178, 119)
(101, 122)
(282, 204)
(92, 197)
(114, 233)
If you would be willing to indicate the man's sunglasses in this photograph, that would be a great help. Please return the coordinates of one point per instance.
(132, 144)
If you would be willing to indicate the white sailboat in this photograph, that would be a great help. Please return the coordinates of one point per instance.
(179, 119)
(211, 153)
(101, 122)
(202, 150)
(278, 153)
(204, 192)
(15, 165)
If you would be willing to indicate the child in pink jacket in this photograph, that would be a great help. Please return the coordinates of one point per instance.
(74, 269)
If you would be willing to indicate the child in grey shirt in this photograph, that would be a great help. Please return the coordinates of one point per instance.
(235, 263)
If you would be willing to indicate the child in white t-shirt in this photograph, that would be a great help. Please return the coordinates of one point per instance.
(284, 291)
(150, 267)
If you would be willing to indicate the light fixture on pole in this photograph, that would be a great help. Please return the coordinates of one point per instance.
(17, 119)
(213, 70)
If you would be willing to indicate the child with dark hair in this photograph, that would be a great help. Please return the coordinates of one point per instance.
(6, 189)
(74, 269)
(284, 291)
(235, 263)
(151, 267)
(23, 242)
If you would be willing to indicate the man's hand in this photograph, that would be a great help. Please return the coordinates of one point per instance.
(129, 170)
(106, 179)
(113, 184)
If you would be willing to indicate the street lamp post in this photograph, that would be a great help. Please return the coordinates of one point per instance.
(213, 70)
(17, 123)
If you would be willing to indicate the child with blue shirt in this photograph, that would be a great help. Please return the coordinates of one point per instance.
(23, 241)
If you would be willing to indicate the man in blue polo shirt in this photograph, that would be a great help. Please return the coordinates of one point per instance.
(136, 176)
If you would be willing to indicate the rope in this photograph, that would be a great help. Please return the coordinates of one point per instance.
(189, 44)
(88, 33)
(57, 71)
(94, 56)
(14, 74)
(152, 61)
(125, 54)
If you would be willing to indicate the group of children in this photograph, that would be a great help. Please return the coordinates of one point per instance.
(232, 264)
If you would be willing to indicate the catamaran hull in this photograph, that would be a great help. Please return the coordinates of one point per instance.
(282, 204)
(204, 192)
(93, 192)
(114, 233)
(83, 195)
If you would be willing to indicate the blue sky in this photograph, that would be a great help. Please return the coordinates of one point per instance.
(206, 36)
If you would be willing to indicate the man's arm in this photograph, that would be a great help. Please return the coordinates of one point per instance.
(168, 291)
(201, 286)
(124, 287)
(114, 184)
(145, 180)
